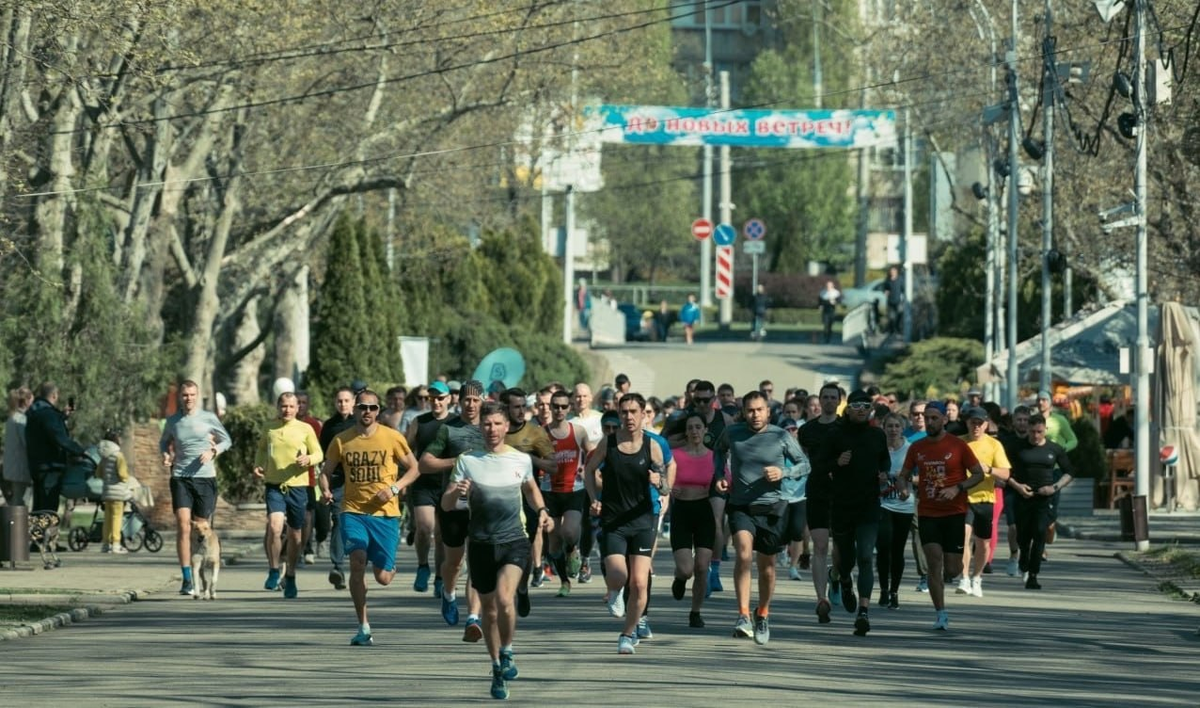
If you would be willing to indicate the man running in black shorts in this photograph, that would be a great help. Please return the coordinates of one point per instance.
(813, 437)
(427, 492)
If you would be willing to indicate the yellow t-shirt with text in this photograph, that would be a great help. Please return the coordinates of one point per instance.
(371, 463)
(990, 453)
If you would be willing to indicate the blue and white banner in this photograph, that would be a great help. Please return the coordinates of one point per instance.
(666, 125)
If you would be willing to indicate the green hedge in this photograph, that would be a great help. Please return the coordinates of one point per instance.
(235, 469)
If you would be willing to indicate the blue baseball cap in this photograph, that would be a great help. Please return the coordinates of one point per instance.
(440, 388)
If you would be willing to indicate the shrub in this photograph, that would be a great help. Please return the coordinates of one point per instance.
(235, 478)
(928, 369)
(1088, 459)
(785, 289)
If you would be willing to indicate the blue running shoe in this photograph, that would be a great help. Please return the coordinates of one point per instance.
(835, 593)
(714, 580)
(421, 584)
(438, 587)
(290, 591)
(508, 666)
(272, 580)
(362, 639)
(449, 611)
(187, 588)
(499, 685)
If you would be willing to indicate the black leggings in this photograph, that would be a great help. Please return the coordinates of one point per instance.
(1034, 516)
(889, 548)
(855, 542)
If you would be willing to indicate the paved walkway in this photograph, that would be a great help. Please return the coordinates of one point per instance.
(1099, 634)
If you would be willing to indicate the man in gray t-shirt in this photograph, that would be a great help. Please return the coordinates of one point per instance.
(490, 482)
(760, 456)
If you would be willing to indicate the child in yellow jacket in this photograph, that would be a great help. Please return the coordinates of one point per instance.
(117, 490)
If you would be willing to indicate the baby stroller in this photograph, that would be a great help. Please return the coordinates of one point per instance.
(136, 531)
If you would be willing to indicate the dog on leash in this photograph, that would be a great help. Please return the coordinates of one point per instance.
(206, 559)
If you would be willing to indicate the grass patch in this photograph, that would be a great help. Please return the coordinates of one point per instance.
(1181, 559)
(20, 614)
(41, 591)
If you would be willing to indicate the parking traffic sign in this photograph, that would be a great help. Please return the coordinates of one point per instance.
(724, 235)
(754, 229)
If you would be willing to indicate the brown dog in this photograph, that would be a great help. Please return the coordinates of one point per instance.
(206, 559)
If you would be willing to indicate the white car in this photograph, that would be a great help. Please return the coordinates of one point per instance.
(872, 292)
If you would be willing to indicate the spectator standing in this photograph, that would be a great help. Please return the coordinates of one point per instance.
(117, 490)
(762, 303)
(689, 315)
(48, 447)
(828, 301)
(16, 462)
(893, 286)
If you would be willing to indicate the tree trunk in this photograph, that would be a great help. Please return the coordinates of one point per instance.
(242, 384)
(50, 214)
(14, 23)
(291, 329)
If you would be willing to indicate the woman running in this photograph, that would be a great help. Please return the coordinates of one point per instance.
(693, 526)
(895, 518)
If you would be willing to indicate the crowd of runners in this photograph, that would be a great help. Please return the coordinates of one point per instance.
(523, 488)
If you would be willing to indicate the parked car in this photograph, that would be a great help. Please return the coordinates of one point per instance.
(633, 323)
(872, 292)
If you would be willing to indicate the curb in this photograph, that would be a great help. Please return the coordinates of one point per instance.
(63, 619)
(1109, 537)
(1168, 585)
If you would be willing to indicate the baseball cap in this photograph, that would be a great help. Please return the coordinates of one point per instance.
(453, 386)
(358, 386)
(789, 424)
(936, 406)
(975, 412)
(440, 388)
(1044, 394)
(610, 418)
(975, 392)
(859, 396)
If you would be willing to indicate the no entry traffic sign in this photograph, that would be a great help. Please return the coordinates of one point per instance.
(701, 229)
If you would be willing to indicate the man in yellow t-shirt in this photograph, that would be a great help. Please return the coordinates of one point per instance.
(371, 456)
(285, 452)
(980, 499)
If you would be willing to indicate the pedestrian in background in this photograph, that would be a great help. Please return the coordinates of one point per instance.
(828, 301)
(117, 489)
(762, 303)
(16, 463)
(689, 315)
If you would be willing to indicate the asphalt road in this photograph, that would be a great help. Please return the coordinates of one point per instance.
(1099, 634)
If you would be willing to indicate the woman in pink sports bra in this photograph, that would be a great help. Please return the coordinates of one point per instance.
(693, 527)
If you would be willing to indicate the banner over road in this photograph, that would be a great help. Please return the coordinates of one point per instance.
(666, 125)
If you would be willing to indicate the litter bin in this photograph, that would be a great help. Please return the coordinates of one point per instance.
(14, 534)
(1125, 509)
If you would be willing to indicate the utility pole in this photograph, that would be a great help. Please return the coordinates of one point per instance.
(1049, 100)
(391, 235)
(864, 204)
(906, 235)
(726, 197)
(818, 81)
(568, 247)
(1141, 387)
(706, 246)
(993, 226)
(1012, 397)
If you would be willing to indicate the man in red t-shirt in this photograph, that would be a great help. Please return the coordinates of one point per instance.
(944, 468)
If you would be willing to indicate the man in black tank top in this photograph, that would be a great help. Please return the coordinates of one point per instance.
(632, 462)
(426, 493)
(813, 437)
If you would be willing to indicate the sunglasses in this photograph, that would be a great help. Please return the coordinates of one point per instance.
(701, 400)
(917, 413)
(860, 406)
(559, 406)
(367, 407)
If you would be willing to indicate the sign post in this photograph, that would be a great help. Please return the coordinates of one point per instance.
(754, 230)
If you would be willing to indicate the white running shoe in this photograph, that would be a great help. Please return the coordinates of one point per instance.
(616, 605)
(964, 585)
(977, 586)
(625, 644)
(1014, 568)
(794, 573)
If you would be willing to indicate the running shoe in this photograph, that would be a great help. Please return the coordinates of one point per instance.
(794, 573)
(862, 625)
(410, 537)
(835, 590)
(449, 611)
(743, 627)
(362, 639)
(923, 584)
(714, 580)
(537, 578)
(309, 556)
(977, 586)
(106, 548)
(1013, 568)
(678, 588)
(290, 591)
(987, 568)
(849, 601)
(585, 573)
(119, 549)
(337, 579)
(499, 685)
(805, 560)
(762, 629)
(643, 629)
(943, 620)
(695, 620)
(187, 588)
(823, 609)
(473, 632)
(964, 585)
(626, 644)
(564, 591)
(1031, 582)
(508, 666)
(438, 588)
(574, 563)
(523, 606)
(893, 602)
(421, 582)
(272, 580)
(616, 604)
(725, 553)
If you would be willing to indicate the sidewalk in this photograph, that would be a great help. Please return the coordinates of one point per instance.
(1105, 525)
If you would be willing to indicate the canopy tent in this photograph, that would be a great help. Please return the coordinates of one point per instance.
(1085, 349)
(1178, 366)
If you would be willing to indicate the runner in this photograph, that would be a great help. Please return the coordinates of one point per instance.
(190, 442)
(427, 490)
(285, 452)
(563, 491)
(584, 415)
(370, 456)
(489, 483)
(693, 528)
(857, 452)
(945, 467)
(980, 500)
(813, 436)
(632, 462)
(895, 517)
(342, 420)
(534, 442)
(458, 435)
(1033, 479)
(760, 455)
(1012, 441)
(914, 432)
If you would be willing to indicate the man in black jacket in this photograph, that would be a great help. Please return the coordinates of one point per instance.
(858, 456)
(342, 420)
(49, 448)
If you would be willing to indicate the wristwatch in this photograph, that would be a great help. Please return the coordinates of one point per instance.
(395, 490)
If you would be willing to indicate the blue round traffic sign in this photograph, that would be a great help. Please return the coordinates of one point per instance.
(725, 235)
(754, 229)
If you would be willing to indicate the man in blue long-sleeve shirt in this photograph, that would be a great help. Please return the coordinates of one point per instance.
(191, 440)
(760, 456)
